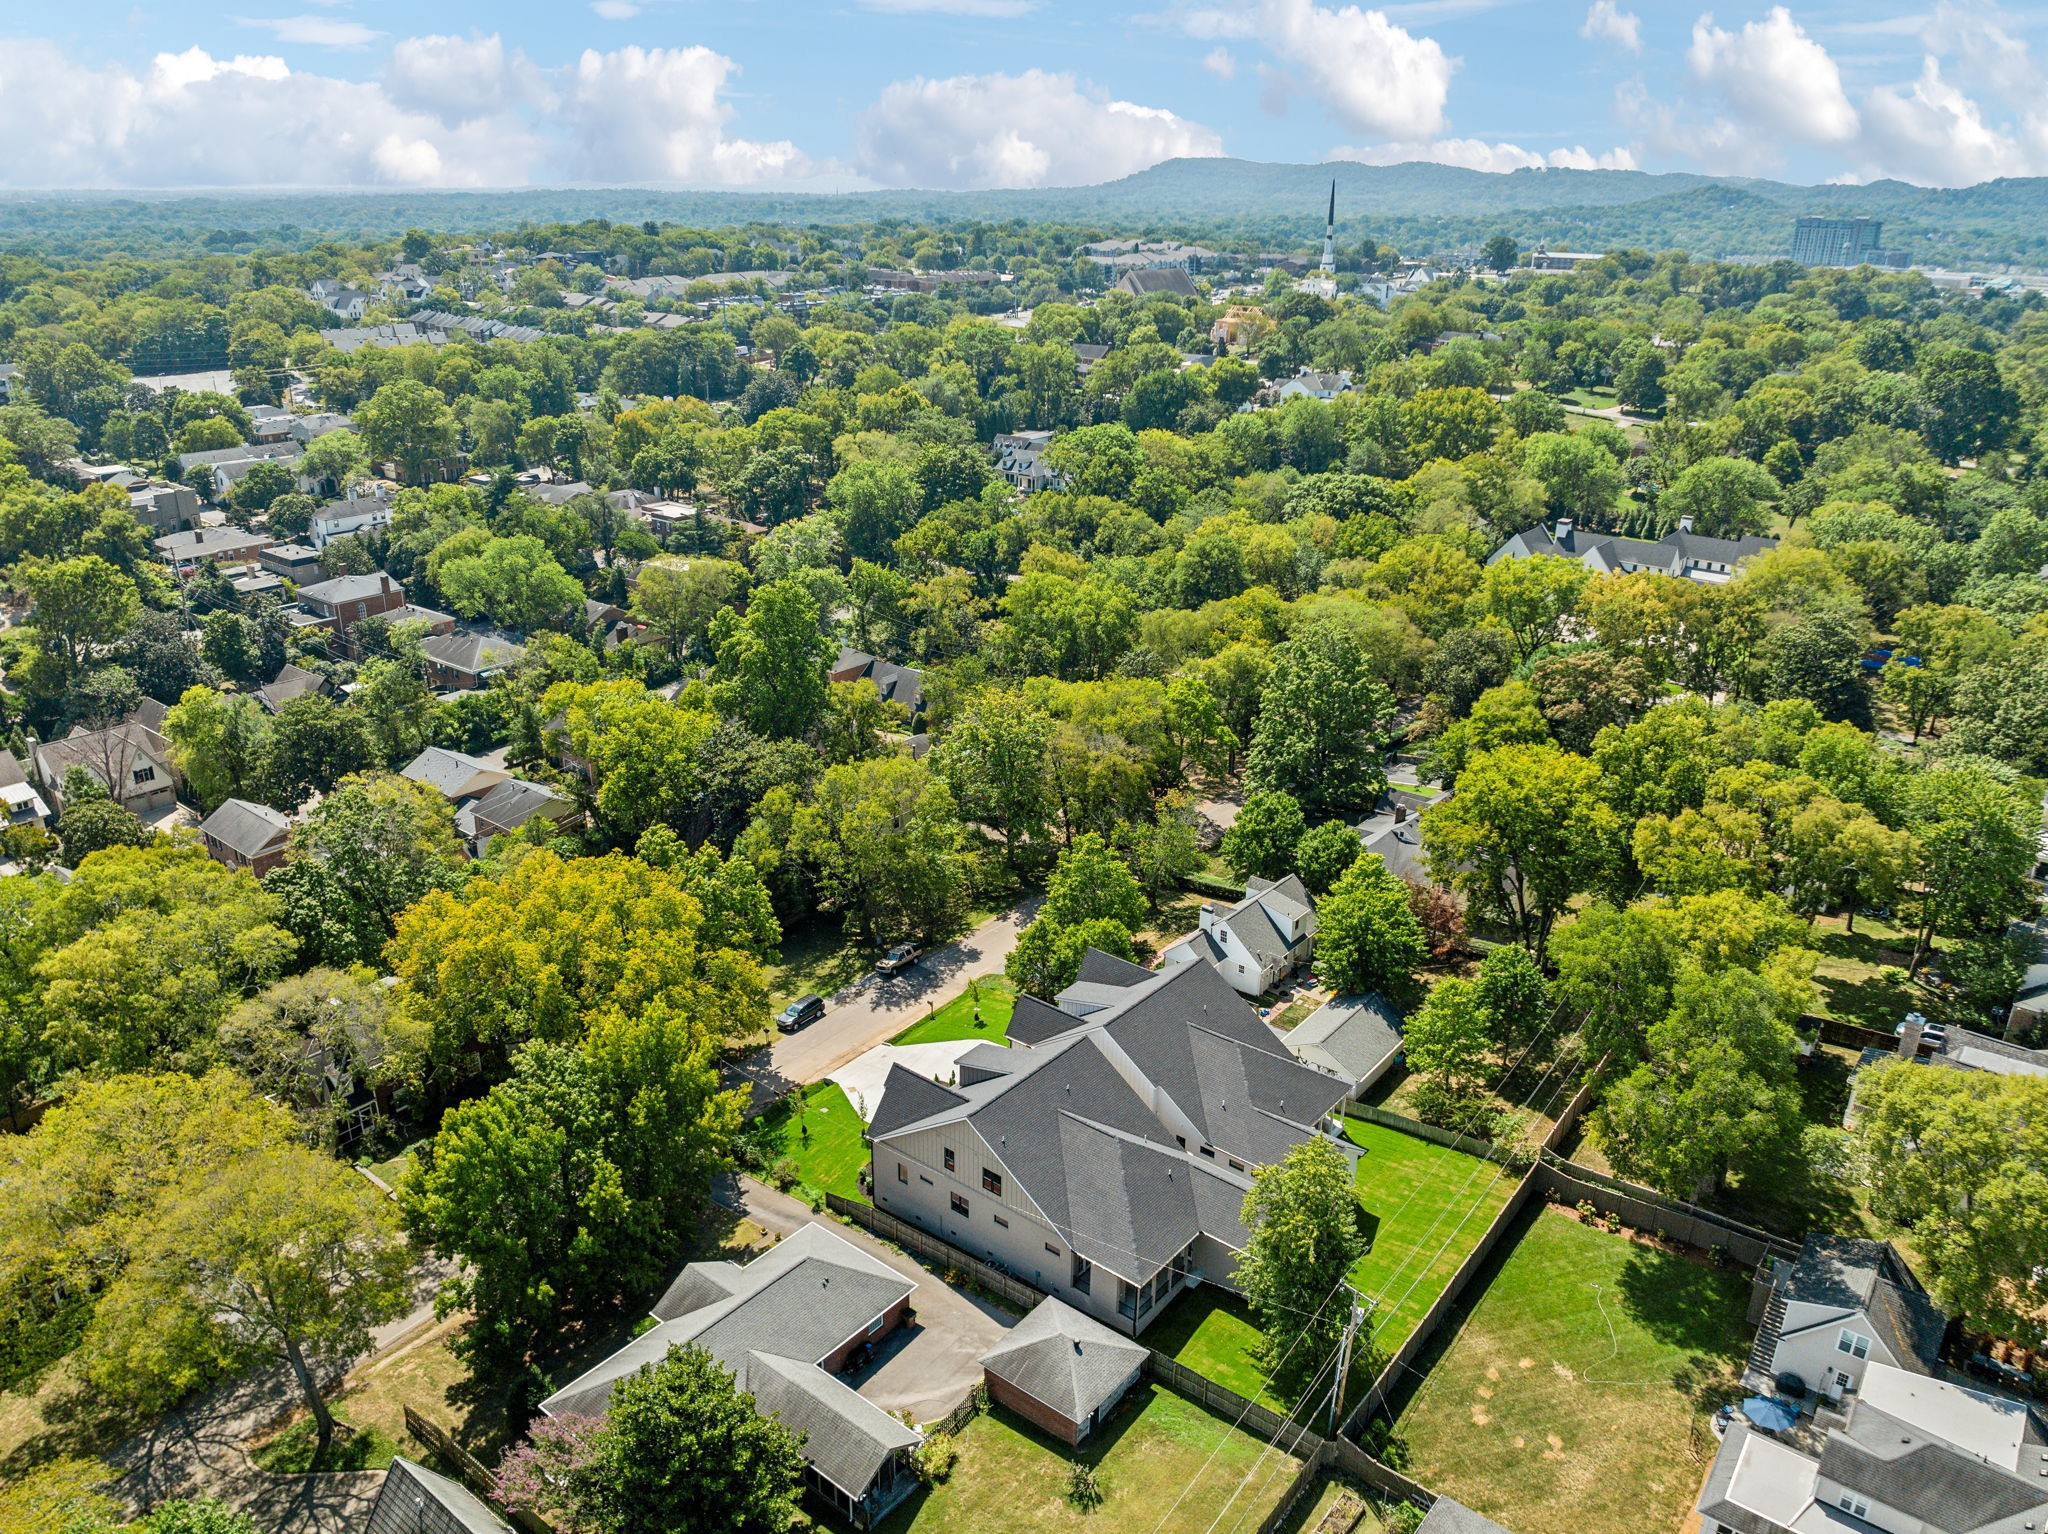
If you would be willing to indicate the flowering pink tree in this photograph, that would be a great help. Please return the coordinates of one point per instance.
(545, 1475)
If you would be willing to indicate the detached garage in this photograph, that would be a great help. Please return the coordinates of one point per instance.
(1062, 1371)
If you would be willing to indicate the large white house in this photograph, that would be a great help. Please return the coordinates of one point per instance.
(1104, 1159)
(1257, 942)
(1847, 1304)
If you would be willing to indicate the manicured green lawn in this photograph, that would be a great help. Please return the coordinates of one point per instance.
(823, 1140)
(1572, 1395)
(955, 1020)
(1426, 1207)
(1213, 1333)
(1159, 1447)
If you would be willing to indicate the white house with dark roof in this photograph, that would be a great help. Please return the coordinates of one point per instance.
(785, 1326)
(1909, 1454)
(1020, 459)
(1844, 1305)
(1257, 942)
(1103, 1158)
(1684, 554)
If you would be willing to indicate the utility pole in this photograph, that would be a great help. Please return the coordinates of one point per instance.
(1351, 1325)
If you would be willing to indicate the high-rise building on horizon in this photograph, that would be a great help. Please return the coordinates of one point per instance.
(1842, 242)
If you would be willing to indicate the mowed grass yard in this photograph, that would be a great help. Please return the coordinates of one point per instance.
(1426, 1206)
(818, 1132)
(1158, 1446)
(1570, 1398)
(996, 998)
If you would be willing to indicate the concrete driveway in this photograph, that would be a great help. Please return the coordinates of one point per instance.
(926, 1369)
(875, 1010)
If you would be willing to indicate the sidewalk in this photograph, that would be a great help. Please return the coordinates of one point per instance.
(874, 1010)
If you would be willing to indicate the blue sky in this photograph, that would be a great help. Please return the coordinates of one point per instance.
(949, 93)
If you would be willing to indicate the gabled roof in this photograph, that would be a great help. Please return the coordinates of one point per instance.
(454, 773)
(348, 588)
(246, 828)
(1033, 1021)
(1351, 1036)
(846, 1438)
(804, 1298)
(908, 1097)
(1069, 1361)
(509, 805)
(1850, 1273)
(415, 1500)
(289, 683)
(1099, 968)
(472, 653)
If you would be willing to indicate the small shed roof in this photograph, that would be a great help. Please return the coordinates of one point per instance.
(1069, 1361)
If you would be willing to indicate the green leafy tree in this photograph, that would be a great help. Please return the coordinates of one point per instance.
(996, 758)
(642, 752)
(547, 947)
(684, 1452)
(1302, 1213)
(771, 663)
(1717, 1092)
(516, 582)
(1368, 937)
(409, 424)
(288, 1256)
(885, 837)
(1513, 996)
(217, 742)
(315, 742)
(1090, 882)
(575, 1178)
(1047, 958)
(81, 605)
(1446, 1038)
(1522, 837)
(368, 850)
(1323, 853)
(1970, 407)
(1266, 836)
(1580, 479)
(1532, 599)
(678, 598)
(1725, 497)
(1322, 723)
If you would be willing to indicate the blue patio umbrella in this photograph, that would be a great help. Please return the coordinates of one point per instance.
(1770, 1415)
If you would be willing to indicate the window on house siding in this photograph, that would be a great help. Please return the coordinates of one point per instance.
(1855, 1344)
(1055, 1251)
(949, 1158)
(902, 1172)
(1002, 1222)
(960, 1204)
(1084, 1274)
(142, 775)
(992, 1182)
(1853, 1505)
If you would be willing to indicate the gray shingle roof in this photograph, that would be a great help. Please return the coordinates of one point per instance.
(846, 1439)
(348, 588)
(908, 1097)
(246, 828)
(289, 683)
(509, 805)
(474, 653)
(1448, 1517)
(448, 771)
(1068, 1361)
(1033, 1021)
(1351, 1035)
(1852, 1273)
(1905, 1468)
(768, 1324)
(1099, 968)
(414, 1500)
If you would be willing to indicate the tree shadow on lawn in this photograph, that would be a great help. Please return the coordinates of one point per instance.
(1684, 1303)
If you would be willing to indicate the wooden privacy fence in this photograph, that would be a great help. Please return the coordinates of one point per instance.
(471, 1470)
(1646, 1209)
(1340, 1456)
(1486, 1149)
(1261, 1421)
(1006, 1287)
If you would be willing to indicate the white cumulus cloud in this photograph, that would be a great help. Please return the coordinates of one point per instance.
(1607, 22)
(315, 31)
(1031, 129)
(659, 114)
(1931, 132)
(1775, 76)
(446, 111)
(1373, 76)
